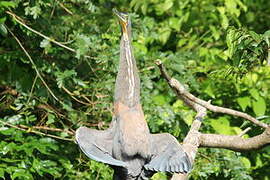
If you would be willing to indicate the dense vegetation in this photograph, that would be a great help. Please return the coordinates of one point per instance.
(58, 63)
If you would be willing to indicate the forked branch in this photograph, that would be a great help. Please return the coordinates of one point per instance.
(183, 93)
(195, 139)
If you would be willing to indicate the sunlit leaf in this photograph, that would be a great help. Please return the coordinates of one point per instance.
(244, 102)
(254, 93)
(259, 106)
(246, 162)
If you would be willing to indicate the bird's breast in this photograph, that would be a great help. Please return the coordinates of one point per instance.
(133, 131)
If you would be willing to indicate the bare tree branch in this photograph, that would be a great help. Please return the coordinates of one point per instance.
(192, 140)
(195, 139)
(235, 143)
(182, 92)
(30, 130)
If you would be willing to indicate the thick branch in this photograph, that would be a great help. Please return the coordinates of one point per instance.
(192, 141)
(235, 143)
(195, 139)
(182, 92)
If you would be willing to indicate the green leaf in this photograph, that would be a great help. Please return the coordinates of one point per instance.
(7, 4)
(254, 93)
(259, 162)
(224, 19)
(222, 126)
(167, 5)
(244, 102)
(163, 7)
(242, 5)
(51, 119)
(175, 23)
(255, 36)
(46, 44)
(266, 37)
(159, 99)
(237, 130)
(215, 32)
(164, 35)
(83, 43)
(2, 173)
(230, 39)
(3, 30)
(209, 90)
(246, 162)
(231, 7)
(259, 106)
(21, 173)
(62, 76)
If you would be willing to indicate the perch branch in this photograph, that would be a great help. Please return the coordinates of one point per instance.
(235, 143)
(192, 140)
(195, 139)
(182, 92)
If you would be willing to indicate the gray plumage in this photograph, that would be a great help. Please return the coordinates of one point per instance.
(127, 144)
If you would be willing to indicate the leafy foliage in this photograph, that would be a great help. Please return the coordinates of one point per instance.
(219, 49)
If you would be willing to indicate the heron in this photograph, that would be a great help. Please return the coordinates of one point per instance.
(127, 145)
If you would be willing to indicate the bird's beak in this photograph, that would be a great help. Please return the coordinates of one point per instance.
(123, 20)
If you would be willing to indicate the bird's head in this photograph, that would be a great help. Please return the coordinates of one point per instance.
(125, 22)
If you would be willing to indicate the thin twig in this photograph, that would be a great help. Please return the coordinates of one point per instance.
(32, 89)
(17, 19)
(65, 8)
(34, 65)
(244, 132)
(48, 129)
(73, 97)
(10, 91)
(204, 156)
(29, 130)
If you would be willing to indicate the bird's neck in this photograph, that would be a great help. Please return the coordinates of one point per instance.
(127, 88)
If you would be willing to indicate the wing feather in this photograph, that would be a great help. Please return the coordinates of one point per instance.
(97, 145)
(167, 155)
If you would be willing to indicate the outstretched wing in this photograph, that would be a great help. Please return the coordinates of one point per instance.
(97, 145)
(167, 155)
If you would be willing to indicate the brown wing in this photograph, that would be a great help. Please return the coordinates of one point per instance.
(97, 145)
(167, 155)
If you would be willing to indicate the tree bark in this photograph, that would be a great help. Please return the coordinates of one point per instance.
(235, 143)
(195, 139)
